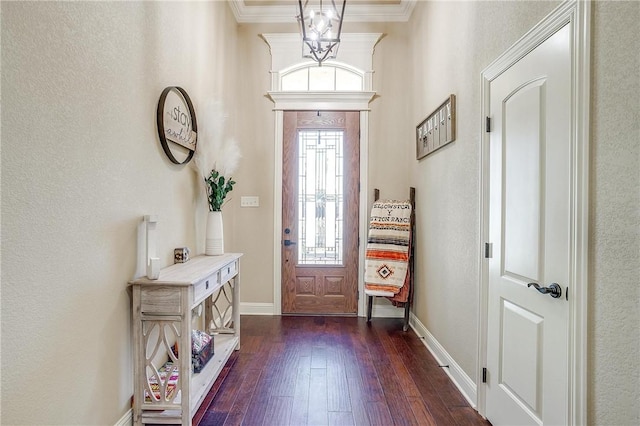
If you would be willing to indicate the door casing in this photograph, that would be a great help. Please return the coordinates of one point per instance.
(578, 15)
(336, 102)
(341, 298)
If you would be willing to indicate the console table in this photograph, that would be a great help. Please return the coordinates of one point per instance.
(166, 391)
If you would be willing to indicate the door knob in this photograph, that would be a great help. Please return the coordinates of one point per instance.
(554, 289)
(287, 242)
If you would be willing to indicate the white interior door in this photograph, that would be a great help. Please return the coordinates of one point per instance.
(530, 158)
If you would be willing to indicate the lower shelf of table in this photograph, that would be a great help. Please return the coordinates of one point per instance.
(201, 382)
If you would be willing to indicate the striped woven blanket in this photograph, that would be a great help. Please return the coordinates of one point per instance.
(387, 256)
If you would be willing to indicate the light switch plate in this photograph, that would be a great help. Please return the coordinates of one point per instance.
(250, 201)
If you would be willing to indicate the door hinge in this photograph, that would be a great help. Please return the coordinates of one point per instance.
(484, 375)
(357, 294)
(488, 250)
(487, 125)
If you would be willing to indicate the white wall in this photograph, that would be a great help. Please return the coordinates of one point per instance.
(81, 165)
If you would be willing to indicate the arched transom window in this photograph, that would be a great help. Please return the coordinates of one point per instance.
(311, 78)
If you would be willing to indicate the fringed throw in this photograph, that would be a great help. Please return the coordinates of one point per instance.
(387, 256)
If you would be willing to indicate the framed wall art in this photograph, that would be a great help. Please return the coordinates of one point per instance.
(176, 121)
(438, 129)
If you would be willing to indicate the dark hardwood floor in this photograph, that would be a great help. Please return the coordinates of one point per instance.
(332, 371)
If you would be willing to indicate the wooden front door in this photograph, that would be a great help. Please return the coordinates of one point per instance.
(320, 193)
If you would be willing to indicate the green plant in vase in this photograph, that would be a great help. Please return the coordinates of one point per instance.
(215, 160)
(217, 189)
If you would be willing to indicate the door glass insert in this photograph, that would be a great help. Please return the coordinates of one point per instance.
(320, 197)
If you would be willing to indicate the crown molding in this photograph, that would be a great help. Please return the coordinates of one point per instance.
(399, 12)
(342, 101)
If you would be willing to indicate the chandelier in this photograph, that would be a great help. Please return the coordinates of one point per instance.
(320, 25)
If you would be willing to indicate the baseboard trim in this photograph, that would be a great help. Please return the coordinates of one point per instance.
(379, 311)
(386, 311)
(126, 420)
(457, 375)
(256, 308)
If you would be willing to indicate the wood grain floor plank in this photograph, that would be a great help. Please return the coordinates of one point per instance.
(369, 375)
(228, 392)
(350, 363)
(318, 414)
(379, 414)
(213, 418)
(357, 394)
(387, 375)
(331, 370)
(243, 399)
(259, 400)
(300, 409)
(278, 410)
(284, 374)
(467, 416)
(396, 400)
(319, 357)
(434, 385)
(341, 418)
(219, 386)
(337, 390)
(399, 366)
(420, 411)
(252, 344)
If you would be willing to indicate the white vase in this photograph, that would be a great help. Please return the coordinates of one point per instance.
(214, 243)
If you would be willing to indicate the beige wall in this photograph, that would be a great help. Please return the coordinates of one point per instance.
(253, 227)
(388, 129)
(81, 165)
(614, 290)
(446, 296)
(462, 40)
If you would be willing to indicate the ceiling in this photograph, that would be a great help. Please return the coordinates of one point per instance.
(285, 11)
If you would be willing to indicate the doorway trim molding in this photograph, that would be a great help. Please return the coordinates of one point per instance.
(357, 49)
(277, 199)
(577, 14)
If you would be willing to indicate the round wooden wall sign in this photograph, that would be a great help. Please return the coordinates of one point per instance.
(177, 122)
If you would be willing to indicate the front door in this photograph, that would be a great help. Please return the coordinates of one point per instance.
(530, 157)
(321, 166)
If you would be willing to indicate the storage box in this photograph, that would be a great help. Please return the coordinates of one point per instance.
(200, 359)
